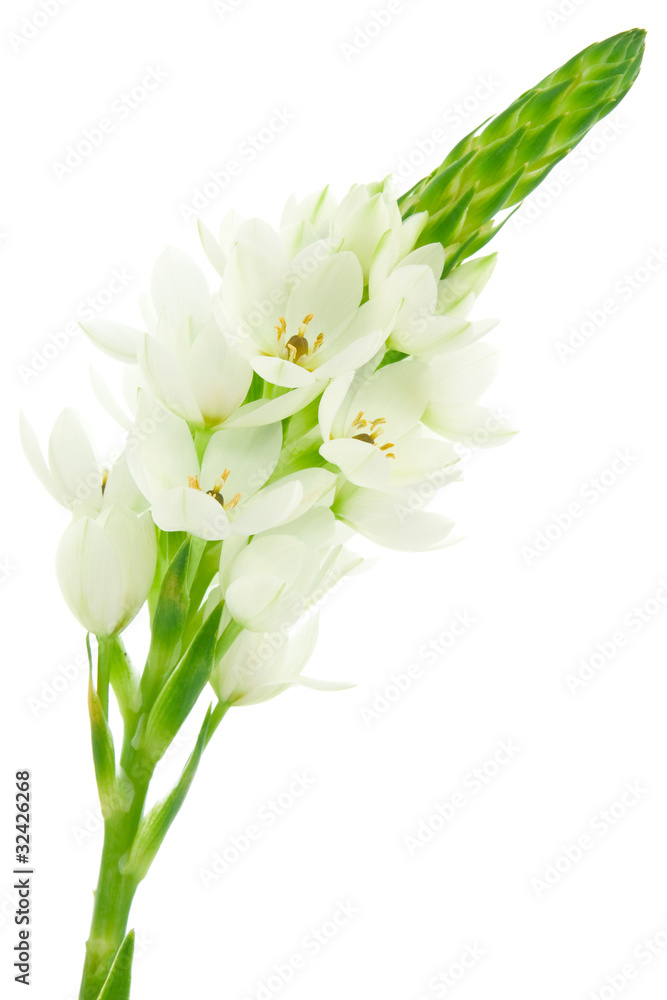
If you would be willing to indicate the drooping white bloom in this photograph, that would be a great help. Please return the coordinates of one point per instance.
(184, 359)
(258, 666)
(297, 320)
(105, 565)
(271, 582)
(459, 379)
(73, 475)
(372, 431)
(397, 519)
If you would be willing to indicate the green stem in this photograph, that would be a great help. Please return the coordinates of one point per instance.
(113, 895)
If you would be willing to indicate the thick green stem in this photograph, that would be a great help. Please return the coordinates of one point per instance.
(113, 896)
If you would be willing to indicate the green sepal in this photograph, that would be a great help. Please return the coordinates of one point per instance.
(181, 691)
(525, 142)
(119, 980)
(155, 825)
(124, 680)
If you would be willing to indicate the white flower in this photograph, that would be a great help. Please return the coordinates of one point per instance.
(369, 222)
(221, 493)
(298, 320)
(105, 565)
(459, 379)
(185, 360)
(258, 666)
(371, 431)
(432, 314)
(74, 476)
(396, 520)
(270, 583)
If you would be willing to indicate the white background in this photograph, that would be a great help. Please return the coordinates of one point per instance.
(477, 882)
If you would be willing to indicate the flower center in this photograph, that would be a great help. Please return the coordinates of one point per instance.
(216, 492)
(374, 431)
(297, 346)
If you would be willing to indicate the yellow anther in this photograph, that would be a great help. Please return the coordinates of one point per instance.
(233, 502)
(193, 483)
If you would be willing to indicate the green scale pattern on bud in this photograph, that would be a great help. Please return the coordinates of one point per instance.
(494, 169)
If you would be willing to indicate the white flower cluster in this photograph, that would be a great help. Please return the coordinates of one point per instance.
(303, 400)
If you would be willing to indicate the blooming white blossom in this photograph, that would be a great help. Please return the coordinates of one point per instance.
(258, 666)
(184, 359)
(297, 320)
(220, 493)
(372, 431)
(74, 476)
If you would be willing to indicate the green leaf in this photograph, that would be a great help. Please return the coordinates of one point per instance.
(181, 691)
(155, 825)
(118, 982)
(171, 614)
(506, 158)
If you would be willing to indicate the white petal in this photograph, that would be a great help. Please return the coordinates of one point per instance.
(72, 461)
(360, 462)
(251, 454)
(318, 487)
(393, 520)
(191, 510)
(332, 400)
(219, 376)
(116, 339)
(271, 506)
(35, 457)
(166, 379)
(331, 293)
(283, 373)
(108, 401)
(160, 450)
(178, 286)
(89, 574)
(354, 355)
(212, 248)
(268, 411)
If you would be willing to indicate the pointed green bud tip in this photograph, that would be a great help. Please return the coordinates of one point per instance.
(496, 166)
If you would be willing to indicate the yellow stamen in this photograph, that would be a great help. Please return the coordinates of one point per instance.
(233, 502)
(193, 483)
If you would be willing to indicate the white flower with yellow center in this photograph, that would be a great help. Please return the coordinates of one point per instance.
(221, 492)
(372, 431)
(298, 321)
